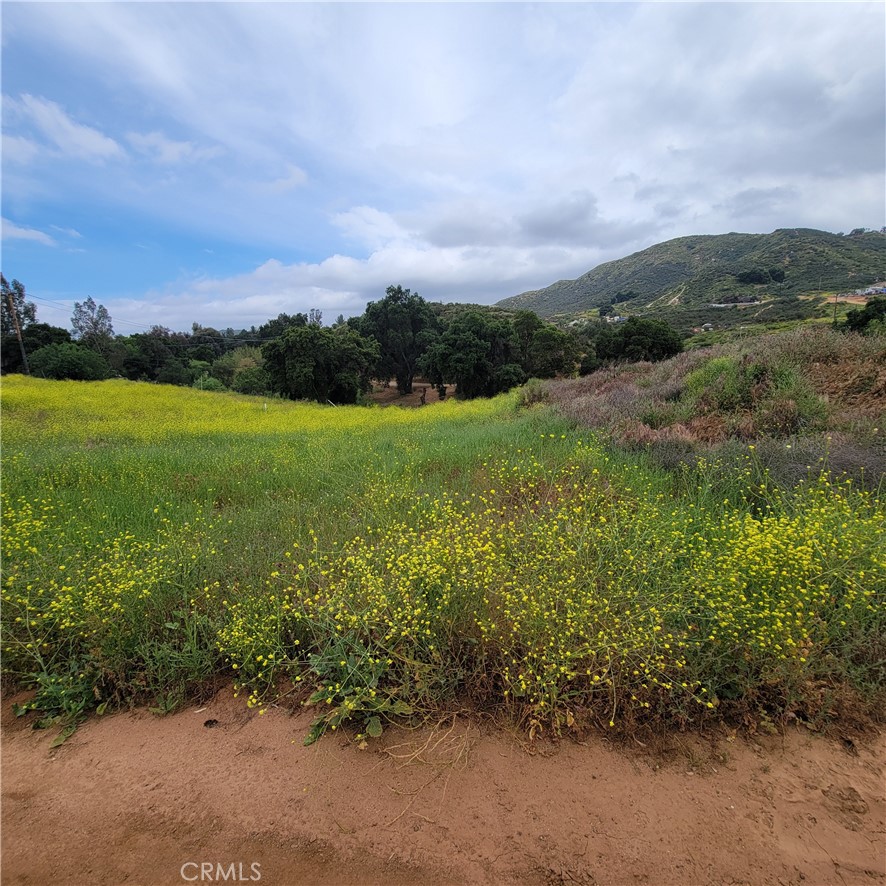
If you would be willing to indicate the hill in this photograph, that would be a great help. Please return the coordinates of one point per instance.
(804, 398)
(765, 276)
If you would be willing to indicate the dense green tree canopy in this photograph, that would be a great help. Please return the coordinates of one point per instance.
(551, 351)
(526, 324)
(401, 323)
(229, 365)
(477, 352)
(482, 351)
(205, 343)
(34, 337)
(252, 380)
(174, 372)
(639, 339)
(873, 312)
(69, 360)
(313, 363)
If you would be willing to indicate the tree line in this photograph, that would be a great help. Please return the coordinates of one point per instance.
(479, 351)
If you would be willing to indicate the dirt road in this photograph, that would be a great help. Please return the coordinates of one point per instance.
(138, 799)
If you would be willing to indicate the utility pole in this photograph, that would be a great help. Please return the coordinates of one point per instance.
(18, 330)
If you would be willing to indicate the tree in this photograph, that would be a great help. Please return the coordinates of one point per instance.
(550, 351)
(17, 314)
(589, 360)
(205, 343)
(526, 324)
(252, 380)
(477, 352)
(313, 363)
(753, 275)
(26, 311)
(401, 323)
(147, 352)
(227, 367)
(640, 339)
(275, 328)
(761, 275)
(136, 365)
(593, 342)
(860, 320)
(544, 350)
(71, 361)
(174, 372)
(34, 337)
(92, 325)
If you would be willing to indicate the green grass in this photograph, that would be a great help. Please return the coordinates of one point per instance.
(379, 563)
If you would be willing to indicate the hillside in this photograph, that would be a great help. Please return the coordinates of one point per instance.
(686, 275)
(799, 399)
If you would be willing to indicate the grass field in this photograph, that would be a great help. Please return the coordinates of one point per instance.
(385, 562)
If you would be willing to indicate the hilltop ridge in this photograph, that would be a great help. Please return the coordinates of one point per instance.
(694, 272)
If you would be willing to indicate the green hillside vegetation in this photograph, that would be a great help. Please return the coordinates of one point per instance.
(764, 277)
(493, 554)
(804, 399)
(481, 351)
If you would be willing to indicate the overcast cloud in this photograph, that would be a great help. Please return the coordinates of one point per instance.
(222, 163)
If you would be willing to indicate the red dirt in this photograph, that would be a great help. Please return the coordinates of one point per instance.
(390, 396)
(132, 798)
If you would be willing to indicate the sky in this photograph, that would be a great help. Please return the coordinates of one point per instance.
(221, 163)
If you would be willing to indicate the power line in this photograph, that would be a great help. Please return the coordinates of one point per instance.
(118, 320)
(69, 306)
(18, 329)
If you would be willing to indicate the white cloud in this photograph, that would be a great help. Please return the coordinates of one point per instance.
(20, 150)
(68, 232)
(295, 177)
(158, 147)
(71, 138)
(370, 227)
(465, 150)
(12, 231)
(344, 284)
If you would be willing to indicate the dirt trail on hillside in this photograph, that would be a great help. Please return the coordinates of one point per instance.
(138, 799)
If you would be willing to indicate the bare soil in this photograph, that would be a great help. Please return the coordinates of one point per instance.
(138, 799)
(388, 395)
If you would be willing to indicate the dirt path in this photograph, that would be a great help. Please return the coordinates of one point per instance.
(388, 395)
(139, 799)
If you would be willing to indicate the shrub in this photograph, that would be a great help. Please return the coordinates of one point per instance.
(873, 314)
(252, 380)
(641, 339)
(69, 361)
(174, 372)
(720, 384)
(206, 382)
